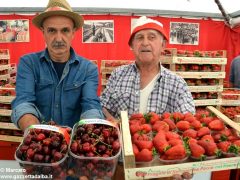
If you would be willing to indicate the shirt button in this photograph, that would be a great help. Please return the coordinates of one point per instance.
(57, 105)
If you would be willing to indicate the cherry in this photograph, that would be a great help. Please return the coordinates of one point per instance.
(74, 147)
(27, 140)
(40, 137)
(116, 145)
(38, 158)
(47, 141)
(57, 156)
(30, 153)
(106, 133)
(86, 147)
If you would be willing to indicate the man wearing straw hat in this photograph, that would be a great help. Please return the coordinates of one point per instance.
(56, 83)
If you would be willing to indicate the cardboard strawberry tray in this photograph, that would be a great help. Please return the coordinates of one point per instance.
(207, 141)
(94, 149)
(44, 151)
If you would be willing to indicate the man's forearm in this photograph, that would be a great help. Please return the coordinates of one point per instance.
(27, 120)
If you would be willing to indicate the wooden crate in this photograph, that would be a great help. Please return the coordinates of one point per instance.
(193, 60)
(156, 170)
(108, 66)
(4, 54)
(200, 75)
(237, 119)
(5, 112)
(217, 88)
(11, 138)
(5, 125)
(231, 97)
(173, 52)
(207, 102)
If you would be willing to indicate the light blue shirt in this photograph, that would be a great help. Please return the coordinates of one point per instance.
(40, 92)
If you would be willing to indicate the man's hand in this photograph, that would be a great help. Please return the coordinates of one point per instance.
(110, 118)
(27, 120)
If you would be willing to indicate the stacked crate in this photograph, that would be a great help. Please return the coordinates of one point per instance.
(8, 131)
(231, 103)
(107, 66)
(203, 71)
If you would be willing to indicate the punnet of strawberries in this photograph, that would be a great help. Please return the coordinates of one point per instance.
(44, 150)
(177, 137)
(95, 148)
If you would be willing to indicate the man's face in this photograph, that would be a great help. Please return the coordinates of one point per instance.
(58, 33)
(147, 46)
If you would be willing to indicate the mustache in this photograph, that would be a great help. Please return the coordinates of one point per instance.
(58, 44)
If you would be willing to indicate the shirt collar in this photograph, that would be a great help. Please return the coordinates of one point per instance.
(73, 56)
(162, 70)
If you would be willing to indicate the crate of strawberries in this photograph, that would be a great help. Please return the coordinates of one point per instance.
(43, 152)
(161, 145)
(94, 149)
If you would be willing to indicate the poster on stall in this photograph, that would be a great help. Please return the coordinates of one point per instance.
(14, 30)
(98, 31)
(184, 33)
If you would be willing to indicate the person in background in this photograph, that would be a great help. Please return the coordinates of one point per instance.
(56, 83)
(145, 85)
(234, 77)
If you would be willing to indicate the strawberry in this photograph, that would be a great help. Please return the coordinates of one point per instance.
(151, 117)
(146, 128)
(172, 125)
(188, 114)
(136, 116)
(196, 125)
(224, 145)
(183, 125)
(135, 149)
(207, 137)
(237, 143)
(160, 125)
(145, 155)
(174, 142)
(166, 115)
(203, 131)
(172, 135)
(226, 132)
(232, 138)
(190, 133)
(216, 125)
(177, 116)
(160, 142)
(210, 147)
(197, 151)
(192, 140)
(144, 144)
(176, 152)
(135, 128)
(201, 114)
(135, 121)
(190, 119)
(206, 120)
(140, 137)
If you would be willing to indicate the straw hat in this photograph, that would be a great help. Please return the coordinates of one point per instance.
(147, 23)
(61, 8)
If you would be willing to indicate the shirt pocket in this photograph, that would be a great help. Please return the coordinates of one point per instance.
(72, 94)
(44, 92)
(120, 101)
